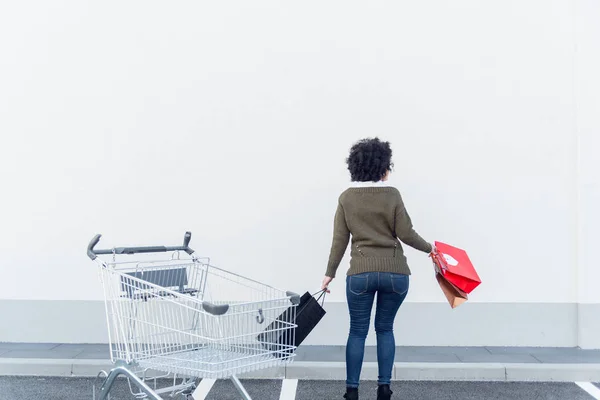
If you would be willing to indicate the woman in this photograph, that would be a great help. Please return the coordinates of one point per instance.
(374, 214)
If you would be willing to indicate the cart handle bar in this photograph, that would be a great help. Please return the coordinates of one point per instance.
(93, 254)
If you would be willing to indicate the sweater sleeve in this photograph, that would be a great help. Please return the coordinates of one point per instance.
(341, 237)
(405, 231)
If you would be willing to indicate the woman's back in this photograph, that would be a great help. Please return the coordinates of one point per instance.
(375, 217)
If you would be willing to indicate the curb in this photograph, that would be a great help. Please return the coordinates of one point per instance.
(406, 371)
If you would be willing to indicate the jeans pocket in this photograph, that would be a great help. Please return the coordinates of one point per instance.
(399, 283)
(358, 284)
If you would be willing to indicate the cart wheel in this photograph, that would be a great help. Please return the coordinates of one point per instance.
(187, 394)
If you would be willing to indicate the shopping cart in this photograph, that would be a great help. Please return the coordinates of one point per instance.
(182, 318)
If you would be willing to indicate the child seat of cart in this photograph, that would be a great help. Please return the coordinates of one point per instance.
(174, 279)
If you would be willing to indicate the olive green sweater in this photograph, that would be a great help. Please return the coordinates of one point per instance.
(376, 218)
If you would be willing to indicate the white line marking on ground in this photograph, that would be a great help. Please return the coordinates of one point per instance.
(203, 388)
(288, 389)
(590, 388)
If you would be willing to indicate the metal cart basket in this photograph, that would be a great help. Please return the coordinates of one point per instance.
(184, 318)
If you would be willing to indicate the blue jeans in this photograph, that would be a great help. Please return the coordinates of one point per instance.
(391, 291)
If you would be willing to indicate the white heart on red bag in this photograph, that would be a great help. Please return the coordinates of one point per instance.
(450, 260)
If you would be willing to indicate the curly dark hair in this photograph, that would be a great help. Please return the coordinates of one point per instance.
(369, 160)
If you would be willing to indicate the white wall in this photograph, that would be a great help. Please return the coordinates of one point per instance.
(587, 84)
(588, 125)
(143, 119)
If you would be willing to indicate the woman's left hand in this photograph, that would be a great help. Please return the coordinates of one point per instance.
(325, 285)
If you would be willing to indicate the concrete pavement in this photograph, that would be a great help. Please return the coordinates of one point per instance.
(327, 363)
(63, 371)
(53, 388)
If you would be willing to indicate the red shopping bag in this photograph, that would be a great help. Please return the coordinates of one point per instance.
(456, 267)
(455, 296)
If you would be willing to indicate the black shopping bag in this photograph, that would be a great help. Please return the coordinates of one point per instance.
(281, 340)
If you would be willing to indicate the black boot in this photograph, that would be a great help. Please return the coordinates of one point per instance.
(384, 392)
(351, 394)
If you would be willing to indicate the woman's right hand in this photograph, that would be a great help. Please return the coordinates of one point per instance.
(434, 249)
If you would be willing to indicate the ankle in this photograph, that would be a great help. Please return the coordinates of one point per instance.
(384, 392)
(351, 393)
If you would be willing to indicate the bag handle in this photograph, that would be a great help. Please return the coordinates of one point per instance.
(438, 262)
(321, 294)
